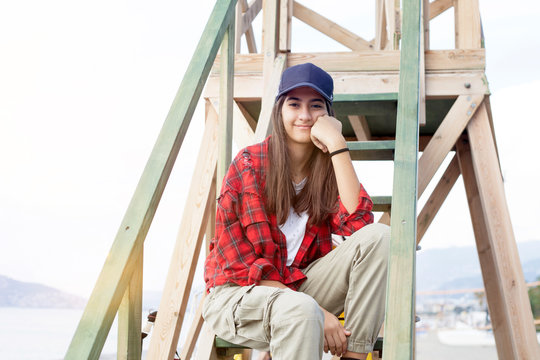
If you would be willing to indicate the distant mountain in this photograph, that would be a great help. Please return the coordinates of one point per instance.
(459, 268)
(15, 293)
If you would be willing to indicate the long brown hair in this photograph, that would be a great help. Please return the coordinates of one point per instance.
(319, 195)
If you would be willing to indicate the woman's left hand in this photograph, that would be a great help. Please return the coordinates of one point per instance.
(326, 134)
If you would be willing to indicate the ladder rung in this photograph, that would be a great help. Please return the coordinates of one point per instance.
(365, 97)
(381, 203)
(372, 150)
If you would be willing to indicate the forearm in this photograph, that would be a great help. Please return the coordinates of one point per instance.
(347, 181)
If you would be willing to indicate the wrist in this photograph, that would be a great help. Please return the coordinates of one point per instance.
(337, 146)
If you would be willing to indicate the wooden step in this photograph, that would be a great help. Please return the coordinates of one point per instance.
(382, 203)
(372, 150)
(226, 348)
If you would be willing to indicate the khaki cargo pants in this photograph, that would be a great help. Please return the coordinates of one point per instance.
(351, 278)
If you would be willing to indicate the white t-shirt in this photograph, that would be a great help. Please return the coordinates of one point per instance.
(294, 228)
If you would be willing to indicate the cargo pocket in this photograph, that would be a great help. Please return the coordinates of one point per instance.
(250, 315)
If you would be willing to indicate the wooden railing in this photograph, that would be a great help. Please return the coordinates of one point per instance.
(120, 281)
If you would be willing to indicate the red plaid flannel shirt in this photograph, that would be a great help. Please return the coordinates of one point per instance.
(249, 247)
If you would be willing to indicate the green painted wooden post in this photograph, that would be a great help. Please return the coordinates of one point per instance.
(400, 301)
(105, 299)
(129, 316)
(226, 89)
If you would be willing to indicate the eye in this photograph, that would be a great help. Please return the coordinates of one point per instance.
(293, 104)
(317, 106)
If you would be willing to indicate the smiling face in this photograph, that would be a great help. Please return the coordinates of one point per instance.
(299, 112)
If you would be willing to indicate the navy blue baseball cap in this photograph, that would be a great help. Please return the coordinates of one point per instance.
(307, 75)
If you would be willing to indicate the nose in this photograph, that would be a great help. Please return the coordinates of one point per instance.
(305, 114)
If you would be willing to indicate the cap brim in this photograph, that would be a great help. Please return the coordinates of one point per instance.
(305, 84)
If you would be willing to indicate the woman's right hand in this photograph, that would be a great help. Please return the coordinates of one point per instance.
(335, 335)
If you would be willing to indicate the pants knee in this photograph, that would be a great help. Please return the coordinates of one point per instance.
(297, 306)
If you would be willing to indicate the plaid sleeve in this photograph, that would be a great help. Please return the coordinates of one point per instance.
(245, 252)
(343, 223)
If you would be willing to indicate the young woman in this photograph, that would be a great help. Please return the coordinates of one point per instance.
(272, 279)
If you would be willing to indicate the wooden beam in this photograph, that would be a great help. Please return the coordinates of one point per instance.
(111, 285)
(129, 316)
(270, 38)
(399, 326)
(243, 134)
(225, 114)
(251, 122)
(372, 61)
(445, 137)
(437, 7)
(503, 245)
(194, 331)
(437, 198)
(238, 28)
(392, 23)
(188, 243)
(425, 17)
(385, 219)
(268, 100)
(285, 21)
(422, 74)
(360, 127)
(330, 28)
(467, 24)
(206, 349)
(488, 264)
(248, 86)
(250, 37)
(249, 13)
(381, 35)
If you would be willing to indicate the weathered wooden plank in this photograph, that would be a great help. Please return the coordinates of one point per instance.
(365, 97)
(188, 243)
(250, 37)
(360, 127)
(445, 137)
(492, 283)
(103, 304)
(372, 150)
(129, 316)
(268, 100)
(249, 13)
(226, 104)
(194, 331)
(392, 23)
(381, 35)
(437, 7)
(438, 84)
(330, 28)
(285, 21)
(381, 203)
(269, 38)
(467, 24)
(385, 218)
(243, 134)
(206, 349)
(400, 300)
(374, 60)
(422, 74)
(502, 241)
(437, 197)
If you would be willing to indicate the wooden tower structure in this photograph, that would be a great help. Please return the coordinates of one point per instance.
(398, 101)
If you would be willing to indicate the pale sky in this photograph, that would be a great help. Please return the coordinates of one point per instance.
(85, 88)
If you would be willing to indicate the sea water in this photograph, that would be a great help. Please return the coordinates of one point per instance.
(35, 334)
(45, 334)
